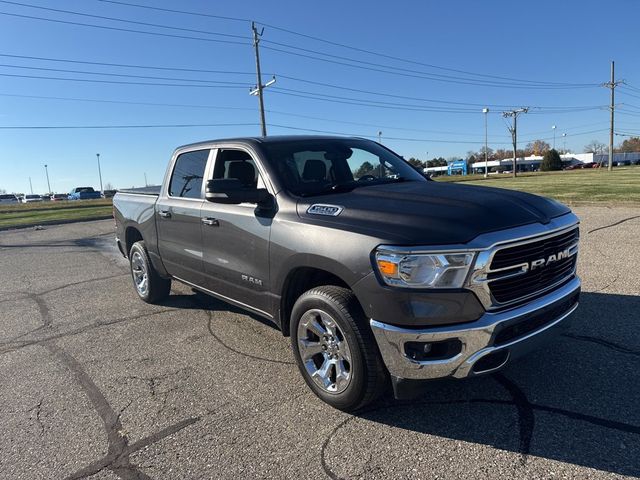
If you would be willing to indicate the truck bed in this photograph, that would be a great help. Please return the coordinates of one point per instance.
(151, 190)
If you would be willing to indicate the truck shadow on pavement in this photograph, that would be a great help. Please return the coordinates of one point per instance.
(575, 401)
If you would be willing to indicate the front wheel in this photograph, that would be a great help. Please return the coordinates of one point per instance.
(335, 349)
(150, 286)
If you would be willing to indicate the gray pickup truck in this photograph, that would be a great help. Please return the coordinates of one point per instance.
(379, 275)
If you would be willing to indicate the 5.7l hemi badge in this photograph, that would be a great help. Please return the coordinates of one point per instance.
(324, 209)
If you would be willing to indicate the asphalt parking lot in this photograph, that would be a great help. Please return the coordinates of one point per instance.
(96, 384)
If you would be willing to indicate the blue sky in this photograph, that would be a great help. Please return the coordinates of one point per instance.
(535, 43)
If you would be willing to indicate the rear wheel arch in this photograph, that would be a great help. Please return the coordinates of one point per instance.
(131, 236)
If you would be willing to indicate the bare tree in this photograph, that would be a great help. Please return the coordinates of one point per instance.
(595, 147)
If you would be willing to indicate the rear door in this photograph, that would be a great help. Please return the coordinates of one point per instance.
(178, 216)
(236, 237)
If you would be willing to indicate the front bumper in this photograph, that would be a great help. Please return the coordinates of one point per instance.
(498, 336)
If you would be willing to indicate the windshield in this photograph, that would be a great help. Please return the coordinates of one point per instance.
(33, 196)
(319, 166)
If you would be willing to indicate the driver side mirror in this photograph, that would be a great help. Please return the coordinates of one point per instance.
(232, 191)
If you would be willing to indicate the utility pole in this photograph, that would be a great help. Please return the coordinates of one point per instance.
(379, 137)
(99, 171)
(48, 184)
(553, 127)
(30, 186)
(612, 85)
(486, 148)
(564, 143)
(514, 133)
(146, 184)
(259, 86)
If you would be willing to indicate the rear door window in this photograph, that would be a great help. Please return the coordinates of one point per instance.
(188, 172)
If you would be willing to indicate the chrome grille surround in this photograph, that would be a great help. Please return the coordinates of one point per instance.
(482, 276)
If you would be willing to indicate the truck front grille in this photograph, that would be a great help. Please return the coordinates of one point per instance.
(536, 278)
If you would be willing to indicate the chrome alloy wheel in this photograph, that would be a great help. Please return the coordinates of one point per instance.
(140, 273)
(324, 351)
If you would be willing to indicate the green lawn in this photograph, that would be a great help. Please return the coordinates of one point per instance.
(622, 185)
(43, 213)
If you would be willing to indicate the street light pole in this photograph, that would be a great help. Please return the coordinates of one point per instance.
(99, 171)
(47, 172)
(486, 149)
(564, 143)
(30, 186)
(553, 127)
(379, 137)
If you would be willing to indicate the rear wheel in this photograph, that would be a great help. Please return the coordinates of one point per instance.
(149, 285)
(335, 349)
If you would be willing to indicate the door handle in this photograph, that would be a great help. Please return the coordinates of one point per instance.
(164, 213)
(212, 222)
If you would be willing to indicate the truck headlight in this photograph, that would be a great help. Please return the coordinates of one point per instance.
(423, 270)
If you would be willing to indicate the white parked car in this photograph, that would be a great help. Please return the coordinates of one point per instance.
(9, 198)
(31, 198)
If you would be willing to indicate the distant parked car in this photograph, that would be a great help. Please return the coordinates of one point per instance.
(109, 193)
(83, 193)
(9, 198)
(59, 196)
(575, 166)
(32, 198)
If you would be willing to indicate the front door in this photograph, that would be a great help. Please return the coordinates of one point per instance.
(235, 238)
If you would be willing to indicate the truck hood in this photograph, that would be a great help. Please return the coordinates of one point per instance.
(431, 213)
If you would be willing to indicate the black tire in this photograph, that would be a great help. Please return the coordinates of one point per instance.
(368, 375)
(157, 288)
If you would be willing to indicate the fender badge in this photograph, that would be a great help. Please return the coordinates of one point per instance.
(324, 209)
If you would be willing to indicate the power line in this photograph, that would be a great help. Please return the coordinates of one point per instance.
(216, 82)
(403, 106)
(291, 114)
(114, 19)
(427, 75)
(420, 75)
(296, 79)
(91, 80)
(119, 29)
(80, 127)
(125, 65)
(169, 10)
(338, 44)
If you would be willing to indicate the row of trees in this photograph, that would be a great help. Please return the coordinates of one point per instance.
(627, 146)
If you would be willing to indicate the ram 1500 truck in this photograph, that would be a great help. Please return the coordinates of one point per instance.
(379, 275)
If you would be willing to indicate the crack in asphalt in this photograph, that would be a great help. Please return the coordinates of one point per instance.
(201, 305)
(80, 330)
(38, 409)
(244, 354)
(525, 419)
(614, 224)
(602, 342)
(117, 459)
(154, 382)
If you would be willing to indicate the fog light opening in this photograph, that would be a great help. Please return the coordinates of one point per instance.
(425, 351)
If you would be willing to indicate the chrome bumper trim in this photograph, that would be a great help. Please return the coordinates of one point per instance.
(476, 338)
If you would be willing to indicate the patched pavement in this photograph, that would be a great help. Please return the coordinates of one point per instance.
(96, 384)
